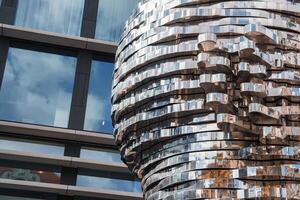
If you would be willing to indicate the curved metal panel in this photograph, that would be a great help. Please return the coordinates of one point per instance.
(206, 99)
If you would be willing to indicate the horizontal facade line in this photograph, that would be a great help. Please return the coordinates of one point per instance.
(68, 190)
(65, 161)
(91, 138)
(57, 39)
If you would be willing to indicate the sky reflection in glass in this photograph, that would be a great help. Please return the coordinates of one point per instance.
(111, 18)
(61, 16)
(37, 88)
(31, 146)
(98, 109)
(100, 154)
(109, 184)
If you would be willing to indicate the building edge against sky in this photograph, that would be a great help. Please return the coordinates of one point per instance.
(56, 64)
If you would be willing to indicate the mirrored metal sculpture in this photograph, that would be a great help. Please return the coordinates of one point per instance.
(206, 99)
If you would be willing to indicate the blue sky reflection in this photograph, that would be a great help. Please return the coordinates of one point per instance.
(111, 18)
(98, 109)
(37, 88)
(100, 154)
(30, 146)
(110, 184)
(61, 16)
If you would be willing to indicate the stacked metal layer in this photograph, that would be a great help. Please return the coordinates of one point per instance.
(206, 99)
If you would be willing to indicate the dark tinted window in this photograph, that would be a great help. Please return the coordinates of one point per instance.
(5, 197)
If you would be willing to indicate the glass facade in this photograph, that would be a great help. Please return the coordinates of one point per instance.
(37, 88)
(108, 183)
(61, 16)
(31, 146)
(5, 197)
(111, 18)
(29, 175)
(100, 154)
(97, 117)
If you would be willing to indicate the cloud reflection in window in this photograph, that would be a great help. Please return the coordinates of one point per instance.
(98, 109)
(111, 18)
(109, 184)
(37, 88)
(61, 16)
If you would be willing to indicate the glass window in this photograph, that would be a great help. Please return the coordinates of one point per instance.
(62, 16)
(99, 154)
(97, 117)
(0, 2)
(29, 175)
(37, 88)
(31, 146)
(108, 183)
(111, 18)
(5, 197)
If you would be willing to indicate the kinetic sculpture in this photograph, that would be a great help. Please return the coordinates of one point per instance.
(206, 99)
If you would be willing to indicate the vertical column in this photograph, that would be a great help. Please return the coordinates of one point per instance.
(84, 61)
(4, 46)
(80, 91)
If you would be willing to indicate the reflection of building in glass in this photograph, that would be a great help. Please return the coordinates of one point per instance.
(56, 65)
(28, 175)
(206, 99)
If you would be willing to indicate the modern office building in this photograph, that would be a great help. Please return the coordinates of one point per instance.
(56, 65)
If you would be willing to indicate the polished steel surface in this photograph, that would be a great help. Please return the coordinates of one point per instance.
(206, 99)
